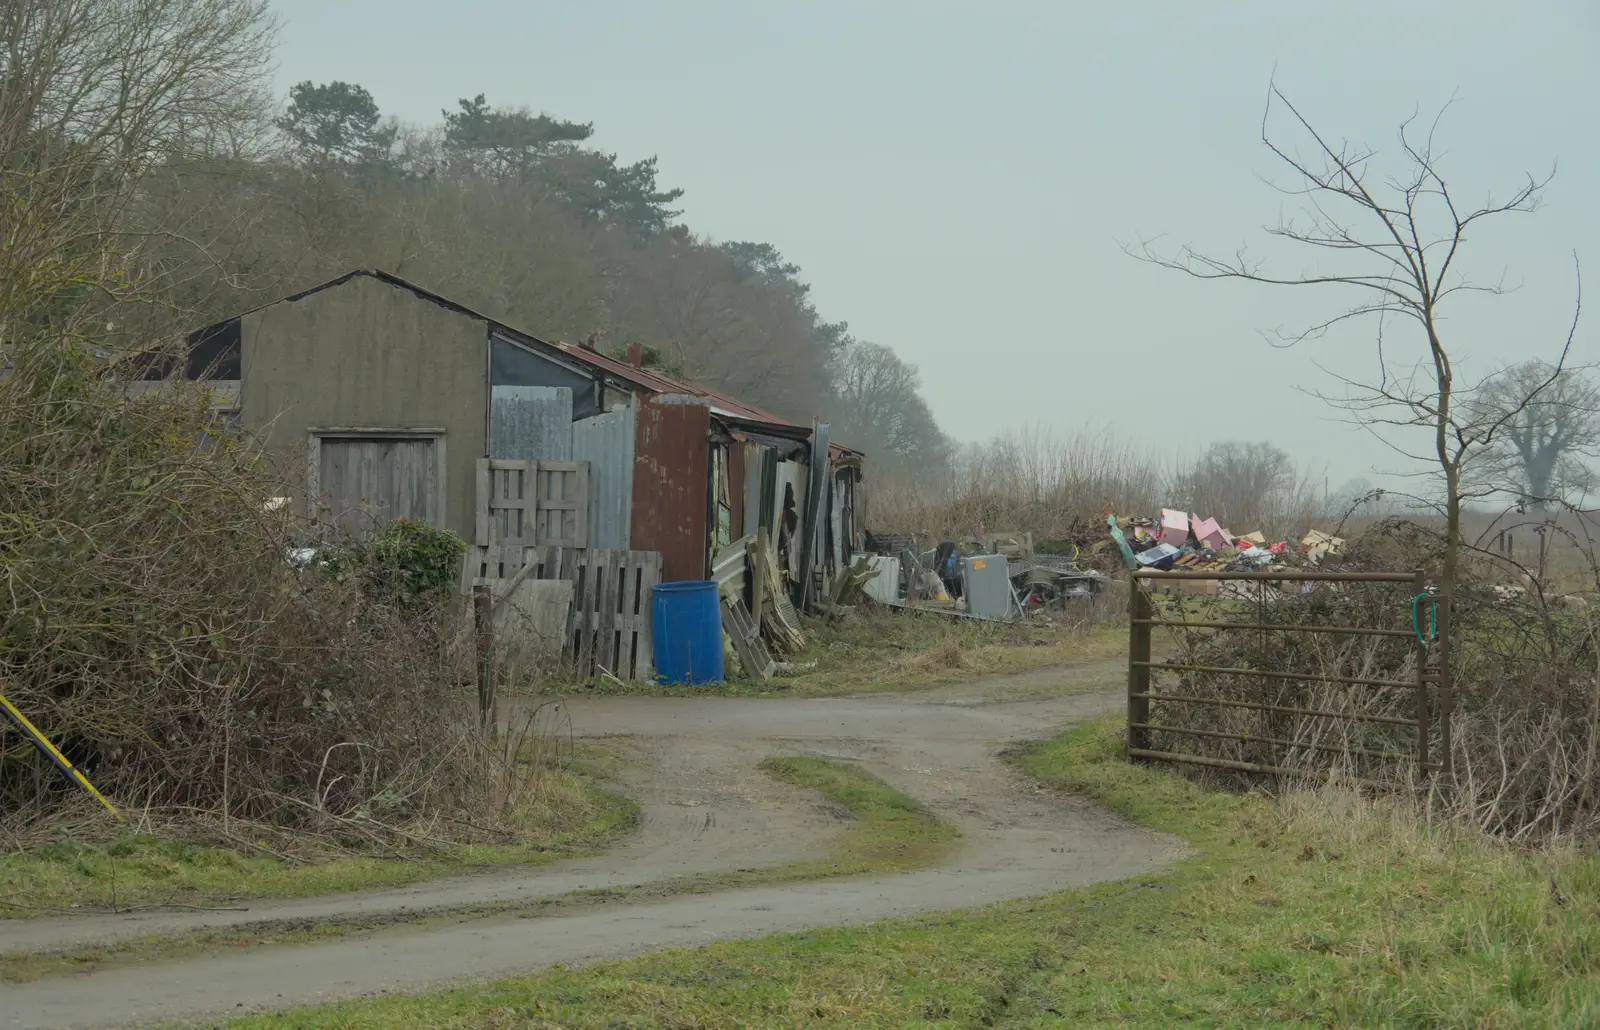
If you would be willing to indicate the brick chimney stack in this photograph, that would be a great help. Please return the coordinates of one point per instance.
(636, 355)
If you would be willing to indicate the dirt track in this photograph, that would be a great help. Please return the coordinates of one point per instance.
(705, 809)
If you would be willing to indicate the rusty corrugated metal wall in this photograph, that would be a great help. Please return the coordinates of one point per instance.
(671, 485)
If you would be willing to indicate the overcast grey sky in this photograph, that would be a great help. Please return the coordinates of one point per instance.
(955, 179)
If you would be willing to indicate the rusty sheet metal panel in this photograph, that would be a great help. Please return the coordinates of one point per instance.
(607, 443)
(671, 484)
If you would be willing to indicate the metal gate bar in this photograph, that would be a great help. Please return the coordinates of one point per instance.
(1142, 618)
(1315, 713)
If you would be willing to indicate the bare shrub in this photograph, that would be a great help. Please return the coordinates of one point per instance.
(1058, 485)
(1281, 739)
(159, 633)
(1525, 730)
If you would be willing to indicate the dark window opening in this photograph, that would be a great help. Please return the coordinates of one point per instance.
(510, 365)
(211, 353)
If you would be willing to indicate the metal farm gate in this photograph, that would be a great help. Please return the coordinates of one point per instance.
(1304, 689)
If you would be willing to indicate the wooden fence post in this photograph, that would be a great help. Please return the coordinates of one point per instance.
(483, 634)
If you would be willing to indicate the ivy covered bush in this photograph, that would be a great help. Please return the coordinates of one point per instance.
(408, 562)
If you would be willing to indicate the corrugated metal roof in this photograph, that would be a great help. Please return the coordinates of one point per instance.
(723, 405)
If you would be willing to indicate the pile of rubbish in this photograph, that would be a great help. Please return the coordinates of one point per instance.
(987, 576)
(1180, 541)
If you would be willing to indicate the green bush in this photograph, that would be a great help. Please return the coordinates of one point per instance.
(407, 562)
(413, 559)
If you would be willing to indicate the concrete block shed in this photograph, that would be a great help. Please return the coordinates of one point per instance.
(384, 400)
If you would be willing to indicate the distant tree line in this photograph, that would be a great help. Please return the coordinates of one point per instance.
(519, 215)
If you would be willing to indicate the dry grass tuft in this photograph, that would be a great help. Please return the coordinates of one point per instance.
(946, 654)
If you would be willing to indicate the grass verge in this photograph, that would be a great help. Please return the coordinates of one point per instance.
(889, 833)
(885, 650)
(1320, 910)
(576, 815)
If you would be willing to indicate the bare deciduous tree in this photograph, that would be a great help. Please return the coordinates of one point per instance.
(878, 399)
(1394, 240)
(1551, 423)
(94, 94)
(1240, 482)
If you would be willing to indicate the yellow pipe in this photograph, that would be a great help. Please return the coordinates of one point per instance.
(43, 743)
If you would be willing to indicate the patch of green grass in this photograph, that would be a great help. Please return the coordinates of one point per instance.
(1323, 909)
(885, 650)
(889, 832)
(575, 816)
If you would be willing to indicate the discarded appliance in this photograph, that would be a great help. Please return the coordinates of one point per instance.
(1161, 556)
(885, 587)
(986, 585)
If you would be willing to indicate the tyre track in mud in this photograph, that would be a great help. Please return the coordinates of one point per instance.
(705, 809)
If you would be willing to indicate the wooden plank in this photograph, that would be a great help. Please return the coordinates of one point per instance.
(610, 600)
(758, 574)
(738, 624)
(627, 579)
(562, 492)
(781, 619)
(589, 579)
(581, 486)
(497, 492)
(530, 618)
(578, 629)
(639, 616)
(482, 535)
(600, 579)
(644, 664)
(560, 567)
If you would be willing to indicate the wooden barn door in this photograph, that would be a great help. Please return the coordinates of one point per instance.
(365, 482)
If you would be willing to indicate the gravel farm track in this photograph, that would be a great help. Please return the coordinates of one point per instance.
(705, 809)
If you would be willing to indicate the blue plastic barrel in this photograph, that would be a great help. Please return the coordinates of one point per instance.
(686, 629)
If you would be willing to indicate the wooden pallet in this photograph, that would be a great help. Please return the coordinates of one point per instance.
(522, 505)
(609, 627)
(738, 623)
